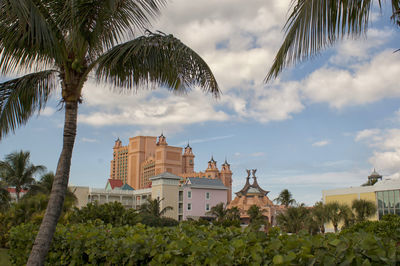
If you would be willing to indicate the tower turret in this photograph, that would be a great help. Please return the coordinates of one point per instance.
(188, 160)
(212, 169)
(226, 178)
(162, 140)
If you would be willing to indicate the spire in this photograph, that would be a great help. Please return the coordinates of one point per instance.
(188, 146)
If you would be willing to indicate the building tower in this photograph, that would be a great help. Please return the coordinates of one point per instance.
(373, 178)
(212, 171)
(188, 160)
(226, 178)
(119, 163)
(168, 158)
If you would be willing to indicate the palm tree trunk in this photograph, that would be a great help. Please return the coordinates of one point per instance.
(54, 208)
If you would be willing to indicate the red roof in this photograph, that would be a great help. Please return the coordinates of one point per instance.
(115, 183)
(12, 190)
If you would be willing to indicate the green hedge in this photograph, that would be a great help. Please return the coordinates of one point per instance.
(100, 244)
(389, 226)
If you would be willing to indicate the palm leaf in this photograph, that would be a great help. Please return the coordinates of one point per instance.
(316, 24)
(29, 35)
(21, 97)
(103, 23)
(156, 59)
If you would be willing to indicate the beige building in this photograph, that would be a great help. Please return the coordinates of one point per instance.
(147, 156)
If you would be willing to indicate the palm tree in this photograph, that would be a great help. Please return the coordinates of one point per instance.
(17, 170)
(363, 209)
(320, 215)
(337, 213)
(314, 25)
(64, 41)
(44, 187)
(293, 219)
(153, 207)
(254, 213)
(285, 198)
(233, 213)
(218, 211)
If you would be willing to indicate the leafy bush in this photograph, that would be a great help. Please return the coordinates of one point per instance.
(388, 226)
(110, 213)
(99, 244)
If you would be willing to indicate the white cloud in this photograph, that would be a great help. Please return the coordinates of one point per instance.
(320, 143)
(386, 149)
(364, 83)
(48, 111)
(206, 139)
(367, 133)
(89, 140)
(257, 154)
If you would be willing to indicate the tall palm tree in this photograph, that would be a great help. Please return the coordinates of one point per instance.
(18, 171)
(363, 209)
(254, 213)
(66, 40)
(153, 207)
(285, 198)
(314, 25)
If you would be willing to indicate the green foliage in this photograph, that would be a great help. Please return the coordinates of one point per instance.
(4, 257)
(293, 219)
(285, 198)
(28, 209)
(363, 209)
(153, 207)
(389, 227)
(100, 244)
(113, 213)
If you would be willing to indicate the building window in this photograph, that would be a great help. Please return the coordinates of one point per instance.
(207, 207)
(189, 194)
(207, 195)
(189, 206)
(388, 202)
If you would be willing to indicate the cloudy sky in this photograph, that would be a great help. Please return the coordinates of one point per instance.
(325, 123)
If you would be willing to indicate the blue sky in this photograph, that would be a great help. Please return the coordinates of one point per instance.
(325, 123)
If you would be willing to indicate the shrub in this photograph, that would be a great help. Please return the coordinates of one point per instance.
(388, 226)
(99, 244)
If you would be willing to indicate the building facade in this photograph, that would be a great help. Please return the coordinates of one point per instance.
(148, 156)
(253, 194)
(190, 198)
(200, 195)
(385, 194)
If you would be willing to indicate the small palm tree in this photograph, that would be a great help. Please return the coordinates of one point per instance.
(285, 198)
(314, 25)
(293, 219)
(320, 215)
(17, 171)
(44, 187)
(363, 209)
(337, 213)
(254, 213)
(65, 41)
(153, 207)
(218, 211)
(233, 213)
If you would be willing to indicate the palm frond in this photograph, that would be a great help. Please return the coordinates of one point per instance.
(29, 35)
(102, 24)
(156, 59)
(21, 97)
(316, 24)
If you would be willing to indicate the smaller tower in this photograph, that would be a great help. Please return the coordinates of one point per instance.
(117, 144)
(373, 178)
(226, 178)
(188, 160)
(212, 169)
(162, 140)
